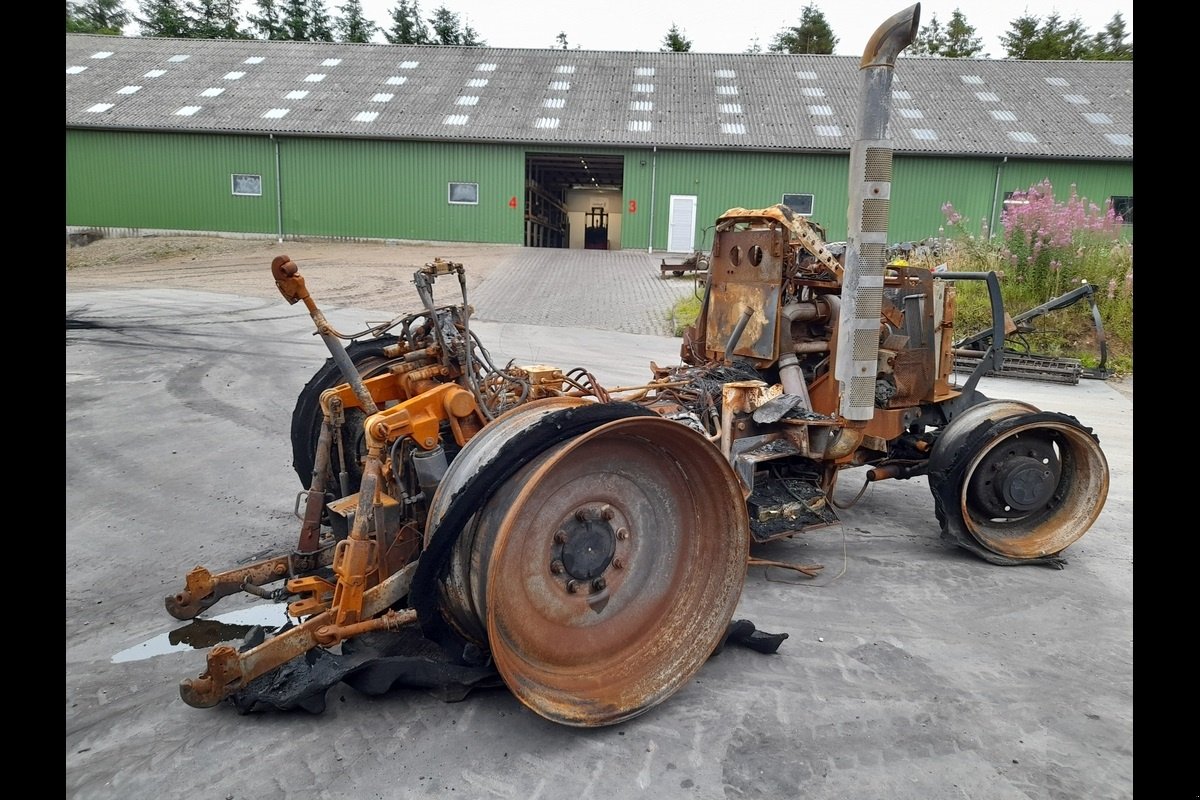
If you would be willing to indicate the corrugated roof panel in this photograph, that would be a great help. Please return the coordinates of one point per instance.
(686, 109)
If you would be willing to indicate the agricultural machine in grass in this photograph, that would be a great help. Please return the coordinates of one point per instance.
(587, 547)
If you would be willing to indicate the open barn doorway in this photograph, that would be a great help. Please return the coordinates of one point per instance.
(573, 200)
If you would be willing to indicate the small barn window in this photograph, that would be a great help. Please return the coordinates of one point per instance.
(802, 204)
(464, 194)
(247, 185)
(1123, 205)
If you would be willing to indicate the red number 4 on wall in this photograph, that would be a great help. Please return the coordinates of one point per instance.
(512, 202)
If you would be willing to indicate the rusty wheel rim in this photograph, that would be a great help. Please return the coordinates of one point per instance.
(614, 572)
(1034, 489)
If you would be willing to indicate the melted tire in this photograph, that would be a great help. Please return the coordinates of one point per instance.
(369, 358)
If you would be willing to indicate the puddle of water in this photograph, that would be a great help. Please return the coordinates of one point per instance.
(204, 633)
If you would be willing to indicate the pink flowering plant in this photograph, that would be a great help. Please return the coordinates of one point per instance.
(1045, 248)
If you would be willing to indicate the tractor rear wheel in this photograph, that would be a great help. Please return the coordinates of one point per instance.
(1015, 484)
(369, 358)
(602, 573)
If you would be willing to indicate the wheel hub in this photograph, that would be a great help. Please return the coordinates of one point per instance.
(1016, 478)
(585, 543)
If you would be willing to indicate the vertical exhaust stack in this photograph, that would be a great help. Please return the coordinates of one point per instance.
(867, 219)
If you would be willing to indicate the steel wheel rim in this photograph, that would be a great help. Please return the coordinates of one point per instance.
(643, 618)
(1062, 513)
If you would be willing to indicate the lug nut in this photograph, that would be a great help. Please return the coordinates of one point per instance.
(607, 512)
(581, 515)
(599, 584)
(560, 537)
(622, 533)
(618, 563)
(556, 567)
(572, 586)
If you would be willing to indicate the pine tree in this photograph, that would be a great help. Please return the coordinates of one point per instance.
(106, 17)
(812, 35)
(961, 41)
(295, 20)
(407, 25)
(352, 25)
(1109, 44)
(268, 23)
(675, 41)
(163, 18)
(320, 27)
(214, 19)
(561, 40)
(448, 29)
(931, 39)
(1049, 40)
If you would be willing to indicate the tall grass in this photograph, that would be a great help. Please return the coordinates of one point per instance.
(1045, 248)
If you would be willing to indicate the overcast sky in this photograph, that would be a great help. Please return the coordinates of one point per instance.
(720, 26)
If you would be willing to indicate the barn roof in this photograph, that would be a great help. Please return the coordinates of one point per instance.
(761, 101)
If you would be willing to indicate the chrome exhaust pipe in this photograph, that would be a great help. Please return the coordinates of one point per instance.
(867, 219)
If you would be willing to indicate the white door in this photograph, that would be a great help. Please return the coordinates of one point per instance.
(681, 224)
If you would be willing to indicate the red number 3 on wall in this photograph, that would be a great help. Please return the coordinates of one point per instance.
(633, 206)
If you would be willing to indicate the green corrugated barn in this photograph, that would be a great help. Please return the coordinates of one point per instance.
(554, 148)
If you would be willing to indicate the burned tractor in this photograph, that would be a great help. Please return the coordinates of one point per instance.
(589, 546)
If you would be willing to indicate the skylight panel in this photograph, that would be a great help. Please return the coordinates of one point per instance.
(730, 108)
(926, 134)
(1022, 136)
(366, 116)
(315, 77)
(970, 79)
(254, 60)
(456, 119)
(1077, 99)
(545, 122)
(211, 92)
(234, 76)
(178, 58)
(727, 90)
(554, 102)
(987, 97)
(734, 128)
(75, 70)
(828, 130)
(155, 73)
(187, 111)
(382, 97)
(638, 125)
(276, 113)
(641, 105)
(1057, 81)
(99, 108)
(644, 88)
(296, 94)
(560, 86)
(812, 91)
(565, 69)
(477, 83)
(1098, 119)
(821, 111)
(1003, 116)
(395, 80)
(485, 67)
(466, 100)
(102, 54)
(644, 72)
(806, 75)
(911, 113)
(724, 73)
(409, 64)
(900, 94)
(129, 90)
(331, 62)
(1119, 138)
